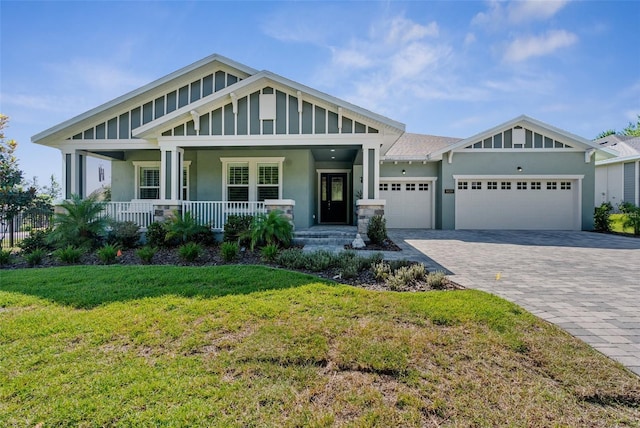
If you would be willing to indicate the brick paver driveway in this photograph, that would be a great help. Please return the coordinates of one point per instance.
(586, 283)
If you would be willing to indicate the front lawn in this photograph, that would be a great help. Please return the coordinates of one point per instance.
(616, 224)
(257, 346)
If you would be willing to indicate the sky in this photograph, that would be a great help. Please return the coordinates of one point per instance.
(450, 68)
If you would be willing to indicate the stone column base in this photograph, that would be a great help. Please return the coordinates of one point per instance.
(367, 208)
(166, 211)
(283, 205)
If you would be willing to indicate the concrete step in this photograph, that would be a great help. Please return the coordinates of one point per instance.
(324, 237)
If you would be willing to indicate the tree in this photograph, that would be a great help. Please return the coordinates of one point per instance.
(14, 198)
(633, 130)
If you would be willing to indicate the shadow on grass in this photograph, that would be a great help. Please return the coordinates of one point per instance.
(86, 287)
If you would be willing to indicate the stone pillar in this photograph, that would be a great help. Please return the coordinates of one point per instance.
(163, 212)
(368, 208)
(283, 205)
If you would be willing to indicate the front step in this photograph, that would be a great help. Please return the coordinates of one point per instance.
(312, 237)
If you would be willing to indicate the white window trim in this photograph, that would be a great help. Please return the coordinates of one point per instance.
(155, 164)
(253, 174)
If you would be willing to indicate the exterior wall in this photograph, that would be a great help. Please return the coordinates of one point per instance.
(123, 173)
(492, 163)
(629, 185)
(608, 186)
(416, 169)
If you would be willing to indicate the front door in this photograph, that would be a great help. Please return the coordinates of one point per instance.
(333, 198)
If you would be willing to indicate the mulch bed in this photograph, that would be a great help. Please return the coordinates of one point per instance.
(387, 245)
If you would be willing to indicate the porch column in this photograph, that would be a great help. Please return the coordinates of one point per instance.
(365, 172)
(74, 172)
(370, 171)
(176, 174)
(163, 172)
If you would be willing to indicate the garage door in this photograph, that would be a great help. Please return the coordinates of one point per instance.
(408, 204)
(534, 204)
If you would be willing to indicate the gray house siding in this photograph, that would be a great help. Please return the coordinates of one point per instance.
(629, 186)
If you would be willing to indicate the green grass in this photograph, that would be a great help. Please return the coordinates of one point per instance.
(616, 224)
(255, 346)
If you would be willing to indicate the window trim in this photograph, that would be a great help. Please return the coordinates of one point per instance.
(138, 165)
(253, 164)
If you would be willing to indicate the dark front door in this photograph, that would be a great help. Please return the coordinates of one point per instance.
(333, 198)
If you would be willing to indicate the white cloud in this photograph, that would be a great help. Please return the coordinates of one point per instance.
(469, 39)
(524, 48)
(402, 30)
(521, 11)
(45, 103)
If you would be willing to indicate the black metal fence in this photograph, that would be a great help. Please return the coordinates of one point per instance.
(22, 225)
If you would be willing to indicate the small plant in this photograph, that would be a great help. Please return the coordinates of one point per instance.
(272, 228)
(321, 260)
(36, 239)
(185, 228)
(406, 275)
(377, 229)
(229, 251)
(292, 258)
(381, 271)
(625, 207)
(125, 234)
(237, 227)
(436, 280)
(35, 257)
(108, 254)
(602, 217)
(349, 268)
(146, 253)
(5, 257)
(268, 253)
(190, 251)
(83, 223)
(632, 219)
(156, 235)
(69, 254)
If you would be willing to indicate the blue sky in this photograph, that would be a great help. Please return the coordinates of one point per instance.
(444, 68)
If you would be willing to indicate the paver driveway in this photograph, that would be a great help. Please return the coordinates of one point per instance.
(586, 283)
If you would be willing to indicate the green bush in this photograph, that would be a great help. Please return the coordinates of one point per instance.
(272, 228)
(602, 217)
(5, 257)
(406, 275)
(321, 260)
(381, 271)
(437, 280)
(69, 254)
(292, 258)
(377, 229)
(146, 253)
(625, 207)
(185, 228)
(632, 219)
(37, 239)
(229, 251)
(125, 234)
(349, 268)
(35, 257)
(190, 251)
(108, 254)
(236, 228)
(268, 253)
(82, 225)
(156, 235)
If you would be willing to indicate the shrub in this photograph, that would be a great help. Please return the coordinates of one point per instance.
(37, 239)
(349, 268)
(185, 228)
(437, 280)
(236, 228)
(146, 253)
(602, 217)
(272, 228)
(190, 251)
(156, 235)
(69, 254)
(35, 257)
(381, 270)
(292, 258)
(5, 257)
(320, 260)
(108, 254)
(625, 207)
(268, 253)
(125, 234)
(229, 251)
(83, 223)
(632, 219)
(406, 275)
(377, 229)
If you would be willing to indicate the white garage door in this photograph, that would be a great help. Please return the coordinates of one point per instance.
(408, 204)
(533, 204)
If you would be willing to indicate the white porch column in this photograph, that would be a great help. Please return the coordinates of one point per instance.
(74, 173)
(176, 173)
(376, 172)
(365, 172)
(163, 173)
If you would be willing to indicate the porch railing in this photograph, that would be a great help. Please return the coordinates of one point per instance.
(140, 213)
(215, 213)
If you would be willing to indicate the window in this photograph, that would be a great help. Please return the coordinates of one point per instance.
(535, 185)
(492, 185)
(462, 185)
(384, 187)
(521, 185)
(252, 179)
(505, 185)
(423, 187)
(396, 187)
(565, 185)
(476, 185)
(552, 185)
(410, 187)
(149, 185)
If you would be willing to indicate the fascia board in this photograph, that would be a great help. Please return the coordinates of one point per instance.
(630, 158)
(44, 136)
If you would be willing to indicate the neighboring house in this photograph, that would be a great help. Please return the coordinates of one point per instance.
(218, 137)
(618, 178)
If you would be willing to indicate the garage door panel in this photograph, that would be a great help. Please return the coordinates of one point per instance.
(408, 204)
(521, 206)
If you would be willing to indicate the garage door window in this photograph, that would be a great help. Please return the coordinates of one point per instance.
(463, 185)
(396, 187)
(565, 185)
(521, 185)
(476, 185)
(505, 185)
(423, 187)
(552, 185)
(535, 185)
(384, 186)
(411, 187)
(492, 185)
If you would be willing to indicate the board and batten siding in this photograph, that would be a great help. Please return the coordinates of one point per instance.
(629, 192)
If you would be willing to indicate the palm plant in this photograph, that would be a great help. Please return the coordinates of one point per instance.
(83, 223)
(185, 228)
(271, 229)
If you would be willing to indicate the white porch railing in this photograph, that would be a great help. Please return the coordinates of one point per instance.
(215, 213)
(137, 212)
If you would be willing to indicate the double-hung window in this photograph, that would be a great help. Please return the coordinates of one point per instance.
(252, 179)
(149, 184)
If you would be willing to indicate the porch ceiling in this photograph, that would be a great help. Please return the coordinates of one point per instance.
(335, 154)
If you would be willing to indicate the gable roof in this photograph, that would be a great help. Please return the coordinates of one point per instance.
(417, 146)
(627, 148)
